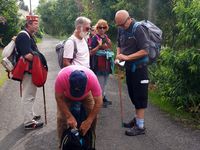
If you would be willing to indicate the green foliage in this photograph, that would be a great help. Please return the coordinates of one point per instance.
(8, 10)
(178, 78)
(188, 23)
(58, 16)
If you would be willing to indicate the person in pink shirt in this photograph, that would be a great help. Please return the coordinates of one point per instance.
(77, 84)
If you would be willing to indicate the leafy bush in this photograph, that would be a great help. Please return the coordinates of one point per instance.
(178, 76)
(9, 28)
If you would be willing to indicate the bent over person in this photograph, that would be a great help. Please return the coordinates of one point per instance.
(77, 85)
(26, 45)
(131, 49)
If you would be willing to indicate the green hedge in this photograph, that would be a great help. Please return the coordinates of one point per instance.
(177, 76)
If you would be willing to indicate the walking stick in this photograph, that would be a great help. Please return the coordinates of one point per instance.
(120, 96)
(45, 111)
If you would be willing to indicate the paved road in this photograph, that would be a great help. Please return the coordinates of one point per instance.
(162, 132)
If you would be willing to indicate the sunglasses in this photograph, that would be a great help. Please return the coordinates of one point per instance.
(102, 28)
(87, 29)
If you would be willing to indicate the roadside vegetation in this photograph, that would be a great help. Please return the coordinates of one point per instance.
(176, 75)
(3, 74)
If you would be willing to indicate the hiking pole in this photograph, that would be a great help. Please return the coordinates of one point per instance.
(120, 96)
(45, 111)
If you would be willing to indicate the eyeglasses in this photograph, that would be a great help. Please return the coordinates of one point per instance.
(102, 28)
(87, 29)
(123, 24)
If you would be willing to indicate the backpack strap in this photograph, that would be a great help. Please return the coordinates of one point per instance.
(75, 47)
(136, 24)
(24, 31)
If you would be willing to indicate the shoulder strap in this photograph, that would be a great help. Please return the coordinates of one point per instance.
(98, 38)
(23, 31)
(75, 47)
(136, 24)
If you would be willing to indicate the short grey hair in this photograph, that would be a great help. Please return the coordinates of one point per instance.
(81, 21)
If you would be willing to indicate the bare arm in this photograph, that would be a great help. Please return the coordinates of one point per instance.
(62, 106)
(92, 115)
(66, 62)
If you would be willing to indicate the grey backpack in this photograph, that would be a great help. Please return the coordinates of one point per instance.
(60, 51)
(155, 38)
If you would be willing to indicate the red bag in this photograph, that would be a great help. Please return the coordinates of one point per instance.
(39, 69)
(18, 72)
(103, 64)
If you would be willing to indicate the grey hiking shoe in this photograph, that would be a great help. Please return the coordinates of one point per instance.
(135, 131)
(130, 124)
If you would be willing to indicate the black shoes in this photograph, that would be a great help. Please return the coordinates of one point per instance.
(37, 117)
(130, 124)
(133, 128)
(106, 102)
(33, 125)
(135, 131)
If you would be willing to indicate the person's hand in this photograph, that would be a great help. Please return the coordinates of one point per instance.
(71, 121)
(116, 61)
(85, 126)
(122, 57)
(100, 42)
(14, 38)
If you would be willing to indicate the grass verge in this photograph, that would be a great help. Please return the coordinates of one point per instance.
(188, 119)
(3, 74)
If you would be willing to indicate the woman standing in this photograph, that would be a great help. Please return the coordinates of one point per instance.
(101, 56)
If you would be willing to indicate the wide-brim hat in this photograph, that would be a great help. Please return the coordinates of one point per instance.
(32, 18)
(78, 82)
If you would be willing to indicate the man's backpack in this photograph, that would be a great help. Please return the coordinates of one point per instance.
(71, 138)
(155, 39)
(60, 51)
(10, 54)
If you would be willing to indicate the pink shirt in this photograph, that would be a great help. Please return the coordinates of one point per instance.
(62, 82)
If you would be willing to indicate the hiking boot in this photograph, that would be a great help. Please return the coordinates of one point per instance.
(135, 131)
(130, 124)
(33, 125)
(106, 101)
(37, 117)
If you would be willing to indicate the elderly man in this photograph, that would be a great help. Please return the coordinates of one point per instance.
(76, 51)
(130, 49)
(26, 45)
(76, 85)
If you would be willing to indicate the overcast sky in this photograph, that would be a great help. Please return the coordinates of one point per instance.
(34, 3)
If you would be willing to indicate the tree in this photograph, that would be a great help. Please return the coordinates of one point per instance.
(9, 28)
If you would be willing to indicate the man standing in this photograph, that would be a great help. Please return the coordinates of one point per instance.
(131, 48)
(77, 84)
(25, 45)
(76, 50)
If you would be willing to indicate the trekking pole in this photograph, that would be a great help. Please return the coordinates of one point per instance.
(120, 96)
(45, 112)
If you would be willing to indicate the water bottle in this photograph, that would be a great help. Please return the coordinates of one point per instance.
(76, 133)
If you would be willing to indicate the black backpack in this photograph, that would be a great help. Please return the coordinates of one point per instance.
(71, 138)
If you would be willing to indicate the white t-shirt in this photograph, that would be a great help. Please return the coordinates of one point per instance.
(82, 56)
